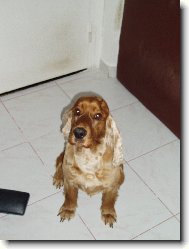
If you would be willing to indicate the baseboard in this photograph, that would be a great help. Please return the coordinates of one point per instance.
(110, 71)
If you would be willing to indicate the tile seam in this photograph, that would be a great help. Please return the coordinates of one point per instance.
(24, 137)
(67, 95)
(121, 107)
(148, 152)
(152, 227)
(86, 226)
(146, 184)
(35, 91)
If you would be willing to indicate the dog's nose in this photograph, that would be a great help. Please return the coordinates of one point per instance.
(79, 132)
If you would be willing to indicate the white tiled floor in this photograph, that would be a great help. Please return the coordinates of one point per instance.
(30, 140)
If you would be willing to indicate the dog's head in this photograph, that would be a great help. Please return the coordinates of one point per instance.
(86, 121)
(89, 122)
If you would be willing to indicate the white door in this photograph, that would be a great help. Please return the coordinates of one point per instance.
(42, 39)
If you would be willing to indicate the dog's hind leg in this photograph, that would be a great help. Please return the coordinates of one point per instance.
(58, 179)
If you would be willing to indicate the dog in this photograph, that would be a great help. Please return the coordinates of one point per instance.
(92, 159)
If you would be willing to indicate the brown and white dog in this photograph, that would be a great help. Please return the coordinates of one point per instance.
(92, 160)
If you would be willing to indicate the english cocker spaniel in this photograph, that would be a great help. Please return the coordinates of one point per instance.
(92, 159)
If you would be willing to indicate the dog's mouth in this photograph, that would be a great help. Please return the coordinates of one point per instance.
(80, 142)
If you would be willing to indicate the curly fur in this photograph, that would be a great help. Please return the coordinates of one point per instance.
(93, 165)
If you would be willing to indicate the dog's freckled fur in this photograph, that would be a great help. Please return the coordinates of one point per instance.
(94, 163)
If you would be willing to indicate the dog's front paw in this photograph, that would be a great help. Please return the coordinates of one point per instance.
(57, 181)
(66, 214)
(109, 217)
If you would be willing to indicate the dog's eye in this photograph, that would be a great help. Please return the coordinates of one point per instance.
(77, 112)
(98, 116)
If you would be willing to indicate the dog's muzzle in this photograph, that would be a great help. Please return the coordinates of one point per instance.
(79, 132)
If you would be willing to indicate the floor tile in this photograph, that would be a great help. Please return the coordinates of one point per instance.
(160, 169)
(22, 170)
(178, 217)
(28, 90)
(38, 113)
(10, 135)
(49, 147)
(137, 207)
(141, 131)
(27, 163)
(111, 90)
(168, 230)
(41, 222)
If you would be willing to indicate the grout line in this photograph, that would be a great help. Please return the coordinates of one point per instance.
(153, 150)
(177, 213)
(166, 206)
(33, 203)
(86, 226)
(77, 213)
(177, 218)
(40, 136)
(152, 227)
(142, 179)
(24, 94)
(127, 162)
(150, 189)
(121, 107)
(13, 119)
(36, 153)
(63, 91)
(13, 146)
(44, 198)
(25, 139)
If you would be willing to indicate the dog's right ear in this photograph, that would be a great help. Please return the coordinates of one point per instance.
(66, 123)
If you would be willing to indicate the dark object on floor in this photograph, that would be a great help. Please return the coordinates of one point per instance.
(149, 57)
(13, 202)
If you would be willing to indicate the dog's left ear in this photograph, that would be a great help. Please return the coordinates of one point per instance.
(113, 139)
(66, 123)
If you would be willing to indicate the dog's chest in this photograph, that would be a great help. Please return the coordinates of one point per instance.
(85, 168)
(87, 161)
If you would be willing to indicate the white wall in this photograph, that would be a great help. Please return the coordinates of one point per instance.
(113, 13)
(42, 39)
(96, 28)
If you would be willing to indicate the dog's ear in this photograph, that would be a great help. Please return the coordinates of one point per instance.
(113, 139)
(66, 123)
